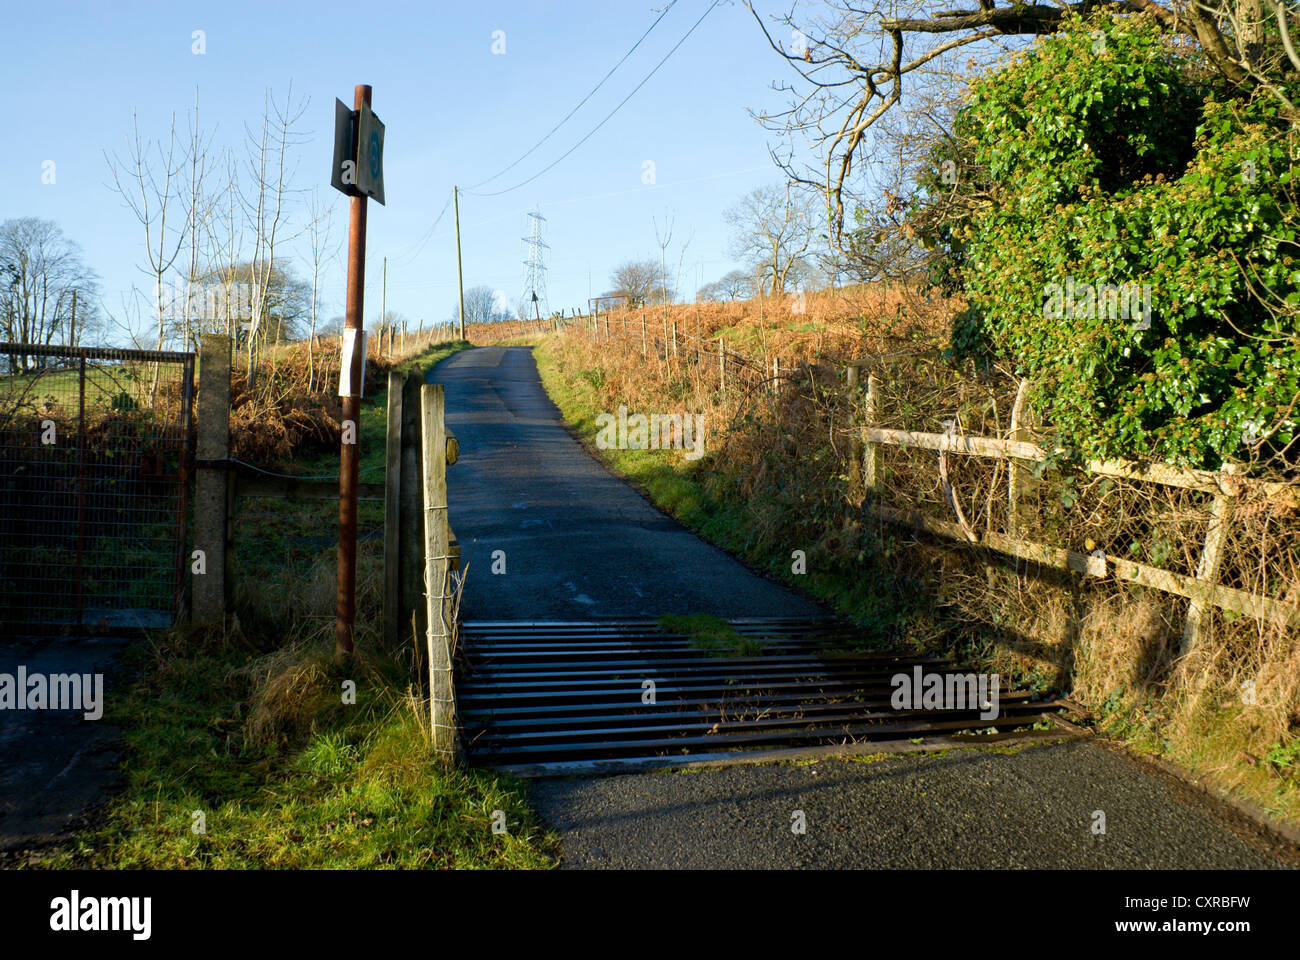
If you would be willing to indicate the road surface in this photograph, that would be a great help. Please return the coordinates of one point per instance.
(580, 544)
(54, 764)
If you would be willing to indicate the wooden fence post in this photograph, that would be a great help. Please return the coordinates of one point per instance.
(869, 467)
(411, 510)
(1015, 471)
(643, 333)
(1200, 612)
(213, 482)
(722, 368)
(855, 438)
(437, 575)
(393, 515)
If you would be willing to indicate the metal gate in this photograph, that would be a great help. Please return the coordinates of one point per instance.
(94, 455)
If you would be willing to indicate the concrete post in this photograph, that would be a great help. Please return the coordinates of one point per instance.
(213, 477)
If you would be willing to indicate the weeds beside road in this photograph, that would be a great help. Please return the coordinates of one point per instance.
(773, 481)
(240, 750)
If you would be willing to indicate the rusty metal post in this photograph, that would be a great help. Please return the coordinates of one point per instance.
(349, 456)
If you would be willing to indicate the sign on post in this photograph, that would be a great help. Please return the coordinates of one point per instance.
(343, 175)
(358, 172)
(370, 154)
(358, 169)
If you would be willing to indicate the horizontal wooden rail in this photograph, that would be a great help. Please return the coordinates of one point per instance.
(1205, 481)
(1227, 598)
(1225, 487)
(951, 443)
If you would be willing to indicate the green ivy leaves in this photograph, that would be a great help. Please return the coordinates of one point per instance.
(1117, 161)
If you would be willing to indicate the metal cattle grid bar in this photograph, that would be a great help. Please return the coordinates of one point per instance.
(548, 695)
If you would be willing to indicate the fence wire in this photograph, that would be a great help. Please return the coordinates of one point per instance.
(93, 459)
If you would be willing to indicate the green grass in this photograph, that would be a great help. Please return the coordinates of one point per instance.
(245, 730)
(56, 392)
(868, 592)
(712, 634)
(271, 533)
(374, 417)
(358, 788)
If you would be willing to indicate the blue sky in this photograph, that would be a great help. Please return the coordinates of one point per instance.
(455, 112)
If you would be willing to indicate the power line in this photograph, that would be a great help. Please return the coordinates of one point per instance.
(525, 183)
(580, 102)
(664, 185)
(424, 240)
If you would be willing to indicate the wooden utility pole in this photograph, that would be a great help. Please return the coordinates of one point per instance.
(350, 387)
(460, 280)
(383, 304)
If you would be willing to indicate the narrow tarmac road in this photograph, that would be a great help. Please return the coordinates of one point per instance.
(53, 763)
(580, 544)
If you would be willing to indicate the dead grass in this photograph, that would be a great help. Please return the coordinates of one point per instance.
(776, 477)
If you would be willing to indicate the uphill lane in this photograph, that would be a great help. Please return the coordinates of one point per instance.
(580, 544)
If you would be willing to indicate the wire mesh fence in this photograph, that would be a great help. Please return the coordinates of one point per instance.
(94, 450)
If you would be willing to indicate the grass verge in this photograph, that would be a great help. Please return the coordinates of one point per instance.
(239, 758)
(905, 592)
(682, 489)
(247, 745)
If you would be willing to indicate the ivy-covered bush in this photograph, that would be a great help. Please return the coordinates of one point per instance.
(1128, 242)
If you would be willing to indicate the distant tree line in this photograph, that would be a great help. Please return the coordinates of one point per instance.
(47, 293)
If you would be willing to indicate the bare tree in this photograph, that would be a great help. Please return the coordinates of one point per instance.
(641, 282)
(774, 233)
(663, 243)
(225, 234)
(733, 285)
(319, 227)
(853, 62)
(199, 215)
(482, 305)
(285, 299)
(265, 204)
(148, 181)
(47, 293)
